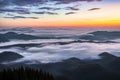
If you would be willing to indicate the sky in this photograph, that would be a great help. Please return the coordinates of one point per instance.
(60, 13)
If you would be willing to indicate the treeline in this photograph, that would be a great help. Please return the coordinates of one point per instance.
(24, 74)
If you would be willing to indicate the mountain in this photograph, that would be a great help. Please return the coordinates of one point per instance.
(3, 39)
(13, 35)
(9, 56)
(90, 37)
(115, 65)
(110, 61)
(77, 69)
(105, 59)
(106, 55)
(101, 35)
(108, 34)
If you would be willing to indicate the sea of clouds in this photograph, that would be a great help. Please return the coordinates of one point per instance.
(57, 52)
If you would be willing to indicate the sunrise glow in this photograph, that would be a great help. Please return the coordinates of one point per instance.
(77, 13)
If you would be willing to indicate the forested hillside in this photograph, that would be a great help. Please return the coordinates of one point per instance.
(24, 74)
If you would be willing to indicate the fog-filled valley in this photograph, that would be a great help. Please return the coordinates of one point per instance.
(63, 51)
(54, 45)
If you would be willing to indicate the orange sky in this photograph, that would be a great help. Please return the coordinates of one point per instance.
(60, 23)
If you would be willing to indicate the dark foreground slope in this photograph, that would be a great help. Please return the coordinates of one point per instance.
(24, 74)
(105, 68)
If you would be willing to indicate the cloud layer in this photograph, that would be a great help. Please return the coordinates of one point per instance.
(37, 2)
(55, 53)
(92, 9)
(27, 8)
(21, 17)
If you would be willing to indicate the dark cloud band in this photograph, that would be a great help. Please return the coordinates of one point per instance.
(69, 13)
(92, 9)
(14, 10)
(44, 12)
(21, 17)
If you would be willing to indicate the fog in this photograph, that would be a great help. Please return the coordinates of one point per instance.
(56, 52)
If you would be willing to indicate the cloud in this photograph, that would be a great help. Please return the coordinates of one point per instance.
(70, 1)
(21, 2)
(7, 10)
(29, 7)
(15, 10)
(72, 8)
(3, 3)
(39, 12)
(22, 10)
(33, 17)
(49, 8)
(69, 13)
(98, 0)
(21, 17)
(37, 2)
(16, 17)
(54, 53)
(44, 12)
(93, 9)
(51, 13)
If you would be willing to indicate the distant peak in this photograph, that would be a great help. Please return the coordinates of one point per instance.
(73, 59)
(103, 32)
(11, 33)
(106, 55)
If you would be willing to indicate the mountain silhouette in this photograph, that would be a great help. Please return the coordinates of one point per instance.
(101, 35)
(3, 39)
(13, 35)
(105, 68)
(9, 56)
